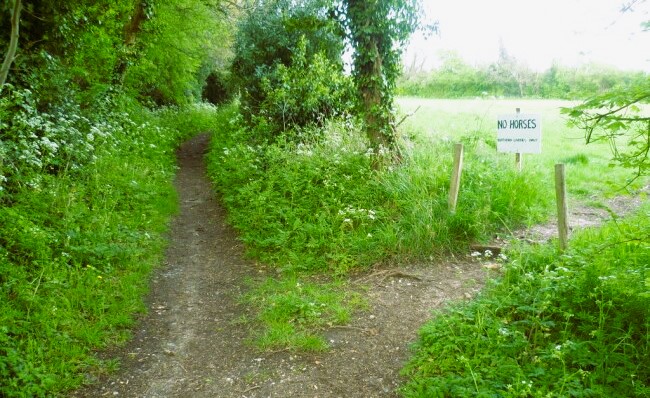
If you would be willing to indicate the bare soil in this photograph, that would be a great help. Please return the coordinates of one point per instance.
(191, 343)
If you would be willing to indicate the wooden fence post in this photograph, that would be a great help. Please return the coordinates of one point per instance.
(455, 177)
(518, 156)
(560, 194)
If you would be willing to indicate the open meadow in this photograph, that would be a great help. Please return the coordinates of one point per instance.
(589, 171)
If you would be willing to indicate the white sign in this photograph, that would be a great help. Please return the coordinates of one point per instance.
(519, 133)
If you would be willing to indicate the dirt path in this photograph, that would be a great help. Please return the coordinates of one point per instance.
(191, 345)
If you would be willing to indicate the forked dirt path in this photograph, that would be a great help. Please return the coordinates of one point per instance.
(191, 343)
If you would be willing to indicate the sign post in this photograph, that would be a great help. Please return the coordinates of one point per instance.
(519, 134)
(518, 155)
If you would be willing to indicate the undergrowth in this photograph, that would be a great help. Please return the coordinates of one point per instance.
(85, 198)
(310, 202)
(569, 325)
(316, 203)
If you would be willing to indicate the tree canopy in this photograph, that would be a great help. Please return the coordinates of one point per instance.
(161, 50)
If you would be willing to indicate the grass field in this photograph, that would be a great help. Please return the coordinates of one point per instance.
(589, 174)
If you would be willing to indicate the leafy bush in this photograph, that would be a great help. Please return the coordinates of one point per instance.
(572, 325)
(308, 92)
(273, 42)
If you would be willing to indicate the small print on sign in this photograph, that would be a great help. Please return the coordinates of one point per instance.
(519, 133)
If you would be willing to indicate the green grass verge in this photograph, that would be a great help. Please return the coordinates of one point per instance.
(570, 325)
(292, 311)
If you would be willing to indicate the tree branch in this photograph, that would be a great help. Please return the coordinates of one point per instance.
(408, 115)
(13, 42)
(613, 111)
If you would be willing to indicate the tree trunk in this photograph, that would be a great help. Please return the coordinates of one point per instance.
(376, 121)
(131, 30)
(370, 78)
(13, 42)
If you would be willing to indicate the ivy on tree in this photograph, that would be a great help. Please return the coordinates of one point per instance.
(378, 29)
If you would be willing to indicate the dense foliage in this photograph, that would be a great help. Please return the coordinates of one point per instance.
(84, 205)
(160, 51)
(508, 78)
(573, 325)
(184, 41)
(281, 35)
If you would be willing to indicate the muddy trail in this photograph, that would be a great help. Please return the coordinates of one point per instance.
(191, 343)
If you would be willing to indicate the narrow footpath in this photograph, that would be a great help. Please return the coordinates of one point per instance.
(188, 341)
